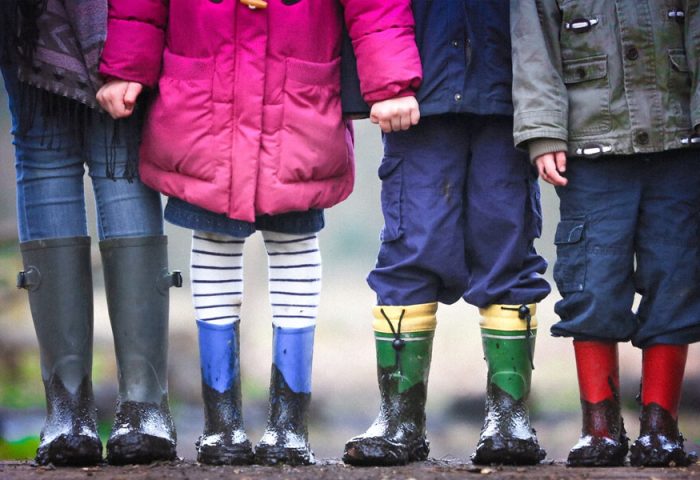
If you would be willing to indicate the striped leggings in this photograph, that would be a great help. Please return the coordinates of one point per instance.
(294, 269)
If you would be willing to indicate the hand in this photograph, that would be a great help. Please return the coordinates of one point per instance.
(551, 166)
(395, 114)
(118, 97)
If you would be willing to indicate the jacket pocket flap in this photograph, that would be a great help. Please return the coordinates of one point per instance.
(569, 231)
(314, 73)
(585, 69)
(187, 68)
(679, 61)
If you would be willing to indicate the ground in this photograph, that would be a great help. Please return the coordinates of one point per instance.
(334, 469)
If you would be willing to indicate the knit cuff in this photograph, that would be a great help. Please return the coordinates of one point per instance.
(540, 146)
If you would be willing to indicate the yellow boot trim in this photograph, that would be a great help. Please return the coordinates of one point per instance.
(505, 318)
(416, 318)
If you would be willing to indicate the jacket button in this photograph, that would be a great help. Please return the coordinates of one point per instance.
(458, 97)
(642, 138)
(632, 53)
(455, 43)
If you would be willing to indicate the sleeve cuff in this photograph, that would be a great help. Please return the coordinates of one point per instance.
(540, 146)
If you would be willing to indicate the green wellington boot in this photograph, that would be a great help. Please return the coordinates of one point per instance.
(58, 277)
(508, 336)
(137, 282)
(404, 342)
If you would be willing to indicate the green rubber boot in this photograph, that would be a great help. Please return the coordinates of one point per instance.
(404, 342)
(58, 277)
(508, 336)
(137, 282)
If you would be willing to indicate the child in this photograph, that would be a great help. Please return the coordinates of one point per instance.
(246, 133)
(606, 98)
(461, 212)
(58, 130)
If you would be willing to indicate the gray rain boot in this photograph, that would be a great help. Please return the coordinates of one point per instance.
(58, 278)
(137, 283)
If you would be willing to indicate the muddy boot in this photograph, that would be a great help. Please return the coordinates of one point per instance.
(508, 336)
(286, 438)
(404, 342)
(224, 441)
(137, 284)
(58, 277)
(603, 441)
(660, 444)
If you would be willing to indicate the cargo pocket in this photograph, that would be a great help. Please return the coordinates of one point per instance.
(313, 143)
(588, 89)
(570, 266)
(391, 175)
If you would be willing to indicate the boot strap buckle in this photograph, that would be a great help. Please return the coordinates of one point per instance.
(168, 280)
(28, 279)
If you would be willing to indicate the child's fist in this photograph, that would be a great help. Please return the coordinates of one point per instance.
(118, 97)
(395, 114)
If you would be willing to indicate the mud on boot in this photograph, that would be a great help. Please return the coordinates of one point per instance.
(603, 441)
(286, 438)
(224, 441)
(142, 433)
(404, 340)
(69, 436)
(397, 436)
(660, 444)
(507, 437)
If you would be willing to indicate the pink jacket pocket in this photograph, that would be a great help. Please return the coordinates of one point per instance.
(313, 142)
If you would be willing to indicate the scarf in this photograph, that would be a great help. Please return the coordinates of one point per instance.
(56, 46)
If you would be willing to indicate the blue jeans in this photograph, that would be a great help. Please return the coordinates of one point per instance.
(50, 165)
(630, 224)
(461, 212)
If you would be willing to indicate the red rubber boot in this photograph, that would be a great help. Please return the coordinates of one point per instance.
(603, 439)
(660, 444)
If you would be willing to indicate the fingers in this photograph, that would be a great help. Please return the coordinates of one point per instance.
(395, 114)
(118, 97)
(547, 167)
(133, 90)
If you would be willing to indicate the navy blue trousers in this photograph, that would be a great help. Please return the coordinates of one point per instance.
(461, 211)
(630, 224)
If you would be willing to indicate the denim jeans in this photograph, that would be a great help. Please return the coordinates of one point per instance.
(50, 165)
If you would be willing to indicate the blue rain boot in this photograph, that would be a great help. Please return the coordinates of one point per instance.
(286, 439)
(224, 441)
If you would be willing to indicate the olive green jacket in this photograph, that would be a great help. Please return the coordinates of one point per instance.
(605, 76)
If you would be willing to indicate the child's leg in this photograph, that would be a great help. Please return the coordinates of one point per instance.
(668, 278)
(594, 274)
(420, 262)
(217, 291)
(295, 288)
(502, 220)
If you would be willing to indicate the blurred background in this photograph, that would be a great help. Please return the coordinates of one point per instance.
(345, 396)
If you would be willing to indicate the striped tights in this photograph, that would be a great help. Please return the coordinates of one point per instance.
(294, 269)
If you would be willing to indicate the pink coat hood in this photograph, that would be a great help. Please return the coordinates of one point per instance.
(246, 118)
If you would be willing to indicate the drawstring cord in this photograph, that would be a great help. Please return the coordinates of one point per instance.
(398, 343)
(524, 314)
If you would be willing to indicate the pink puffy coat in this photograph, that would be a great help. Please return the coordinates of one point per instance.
(247, 117)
